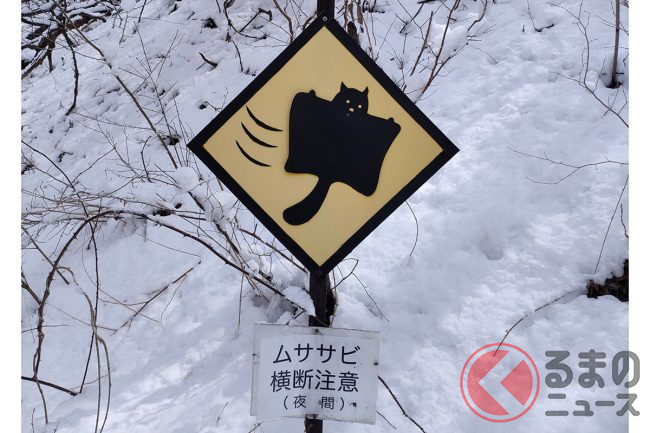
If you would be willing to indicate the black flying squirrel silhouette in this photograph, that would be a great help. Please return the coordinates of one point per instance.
(337, 141)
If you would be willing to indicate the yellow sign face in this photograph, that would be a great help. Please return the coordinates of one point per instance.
(322, 146)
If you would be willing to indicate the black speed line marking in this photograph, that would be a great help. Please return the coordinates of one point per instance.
(250, 158)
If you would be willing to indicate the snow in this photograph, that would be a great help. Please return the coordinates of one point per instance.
(186, 179)
(300, 296)
(491, 240)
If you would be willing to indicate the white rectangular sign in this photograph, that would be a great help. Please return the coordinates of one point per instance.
(321, 373)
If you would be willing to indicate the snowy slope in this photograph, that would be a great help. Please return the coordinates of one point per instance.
(494, 240)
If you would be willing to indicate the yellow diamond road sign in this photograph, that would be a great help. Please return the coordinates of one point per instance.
(322, 146)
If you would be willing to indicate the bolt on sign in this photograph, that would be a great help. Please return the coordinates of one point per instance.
(319, 373)
(322, 146)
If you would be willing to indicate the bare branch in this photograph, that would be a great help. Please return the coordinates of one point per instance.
(602, 247)
(51, 385)
(390, 391)
(575, 168)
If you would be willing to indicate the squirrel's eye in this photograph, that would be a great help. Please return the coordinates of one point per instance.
(347, 101)
(358, 106)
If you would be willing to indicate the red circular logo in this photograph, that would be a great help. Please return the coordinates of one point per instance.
(499, 382)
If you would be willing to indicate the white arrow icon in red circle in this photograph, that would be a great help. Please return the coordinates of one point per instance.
(500, 382)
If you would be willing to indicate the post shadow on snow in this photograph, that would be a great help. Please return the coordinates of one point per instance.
(337, 141)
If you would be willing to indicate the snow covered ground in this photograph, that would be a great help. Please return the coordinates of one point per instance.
(495, 240)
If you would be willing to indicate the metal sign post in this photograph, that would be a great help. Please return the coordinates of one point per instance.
(319, 288)
(325, 6)
(319, 284)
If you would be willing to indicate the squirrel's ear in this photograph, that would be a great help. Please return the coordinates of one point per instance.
(365, 92)
(343, 86)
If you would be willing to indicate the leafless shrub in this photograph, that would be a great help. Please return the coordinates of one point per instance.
(614, 104)
(431, 38)
(63, 206)
(44, 22)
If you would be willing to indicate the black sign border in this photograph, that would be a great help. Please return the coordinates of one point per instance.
(448, 148)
